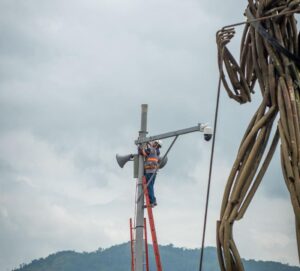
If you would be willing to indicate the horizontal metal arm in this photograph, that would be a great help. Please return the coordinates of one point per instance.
(199, 128)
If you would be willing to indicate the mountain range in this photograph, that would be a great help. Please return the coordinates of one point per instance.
(117, 258)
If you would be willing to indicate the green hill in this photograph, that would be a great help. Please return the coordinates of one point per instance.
(117, 258)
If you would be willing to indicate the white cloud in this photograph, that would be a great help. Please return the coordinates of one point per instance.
(48, 201)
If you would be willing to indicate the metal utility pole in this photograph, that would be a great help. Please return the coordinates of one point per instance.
(139, 222)
(138, 159)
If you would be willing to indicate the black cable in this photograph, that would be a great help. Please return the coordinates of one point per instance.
(209, 176)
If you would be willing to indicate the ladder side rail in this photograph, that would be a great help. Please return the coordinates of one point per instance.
(131, 244)
(146, 245)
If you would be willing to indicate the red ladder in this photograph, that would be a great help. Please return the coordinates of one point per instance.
(152, 226)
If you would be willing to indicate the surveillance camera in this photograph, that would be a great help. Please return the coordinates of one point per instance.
(208, 133)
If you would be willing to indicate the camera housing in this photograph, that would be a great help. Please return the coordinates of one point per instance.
(207, 133)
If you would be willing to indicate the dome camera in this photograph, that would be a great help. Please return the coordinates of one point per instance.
(208, 133)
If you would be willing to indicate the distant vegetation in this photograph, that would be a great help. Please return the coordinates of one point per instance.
(117, 258)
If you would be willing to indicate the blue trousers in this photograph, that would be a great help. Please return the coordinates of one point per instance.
(151, 186)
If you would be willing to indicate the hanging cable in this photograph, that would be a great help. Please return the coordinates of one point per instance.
(209, 175)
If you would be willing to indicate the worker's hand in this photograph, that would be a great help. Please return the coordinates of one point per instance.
(141, 150)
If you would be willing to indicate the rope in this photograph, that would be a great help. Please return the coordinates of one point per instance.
(210, 173)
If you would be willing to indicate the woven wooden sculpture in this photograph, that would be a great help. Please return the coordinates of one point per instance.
(269, 57)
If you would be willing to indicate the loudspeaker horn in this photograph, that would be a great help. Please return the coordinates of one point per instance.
(163, 162)
(123, 159)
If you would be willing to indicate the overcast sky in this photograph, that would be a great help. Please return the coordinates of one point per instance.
(73, 76)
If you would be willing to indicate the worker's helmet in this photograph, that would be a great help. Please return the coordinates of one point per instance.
(159, 142)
